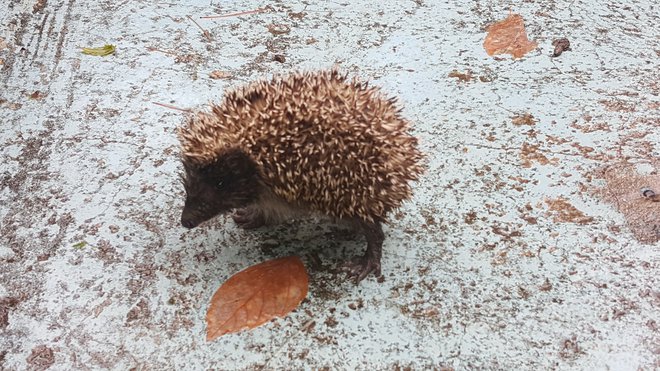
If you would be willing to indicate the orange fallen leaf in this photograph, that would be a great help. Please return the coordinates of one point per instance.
(508, 36)
(256, 295)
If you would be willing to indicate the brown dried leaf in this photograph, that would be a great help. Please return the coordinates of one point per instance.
(256, 295)
(564, 212)
(508, 36)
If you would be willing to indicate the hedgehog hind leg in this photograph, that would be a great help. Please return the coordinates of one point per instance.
(360, 267)
(249, 217)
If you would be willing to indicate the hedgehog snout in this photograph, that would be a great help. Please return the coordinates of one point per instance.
(188, 223)
(189, 219)
(196, 212)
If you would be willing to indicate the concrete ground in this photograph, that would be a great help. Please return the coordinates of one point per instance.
(516, 252)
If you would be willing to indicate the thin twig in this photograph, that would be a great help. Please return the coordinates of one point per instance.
(171, 107)
(152, 49)
(204, 32)
(260, 10)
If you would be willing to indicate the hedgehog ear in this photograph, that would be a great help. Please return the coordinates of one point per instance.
(238, 162)
(233, 154)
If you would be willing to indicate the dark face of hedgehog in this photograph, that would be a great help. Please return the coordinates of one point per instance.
(229, 183)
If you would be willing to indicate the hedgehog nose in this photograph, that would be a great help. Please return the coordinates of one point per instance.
(188, 223)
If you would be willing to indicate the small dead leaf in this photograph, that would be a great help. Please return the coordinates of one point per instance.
(299, 15)
(561, 45)
(308, 326)
(462, 76)
(188, 58)
(508, 36)
(80, 245)
(38, 6)
(37, 95)
(278, 29)
(546, 286)
(470, 217)
(523, 119)
(256, 295)
(101, 51)
(486, 78)
(570, 348)
(41, 358)
(531, 153)
(217, 74)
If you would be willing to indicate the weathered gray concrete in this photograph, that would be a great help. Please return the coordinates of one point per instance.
(480, 271)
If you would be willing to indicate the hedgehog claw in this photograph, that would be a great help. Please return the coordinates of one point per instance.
(248, 218)
(360, 267)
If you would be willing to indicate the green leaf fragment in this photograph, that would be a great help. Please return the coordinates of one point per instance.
(80, 245)
(100, 52)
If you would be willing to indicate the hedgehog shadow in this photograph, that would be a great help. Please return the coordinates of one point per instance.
(326, 244)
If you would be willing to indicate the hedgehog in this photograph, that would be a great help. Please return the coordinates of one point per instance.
(307, 143)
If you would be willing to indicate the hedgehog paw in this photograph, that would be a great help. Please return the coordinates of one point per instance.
(360, 267)
(248, 218)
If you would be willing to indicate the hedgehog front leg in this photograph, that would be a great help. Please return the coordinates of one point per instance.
(249, 217)
(361, 267)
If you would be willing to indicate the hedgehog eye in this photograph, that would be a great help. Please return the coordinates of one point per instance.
(219, 184)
